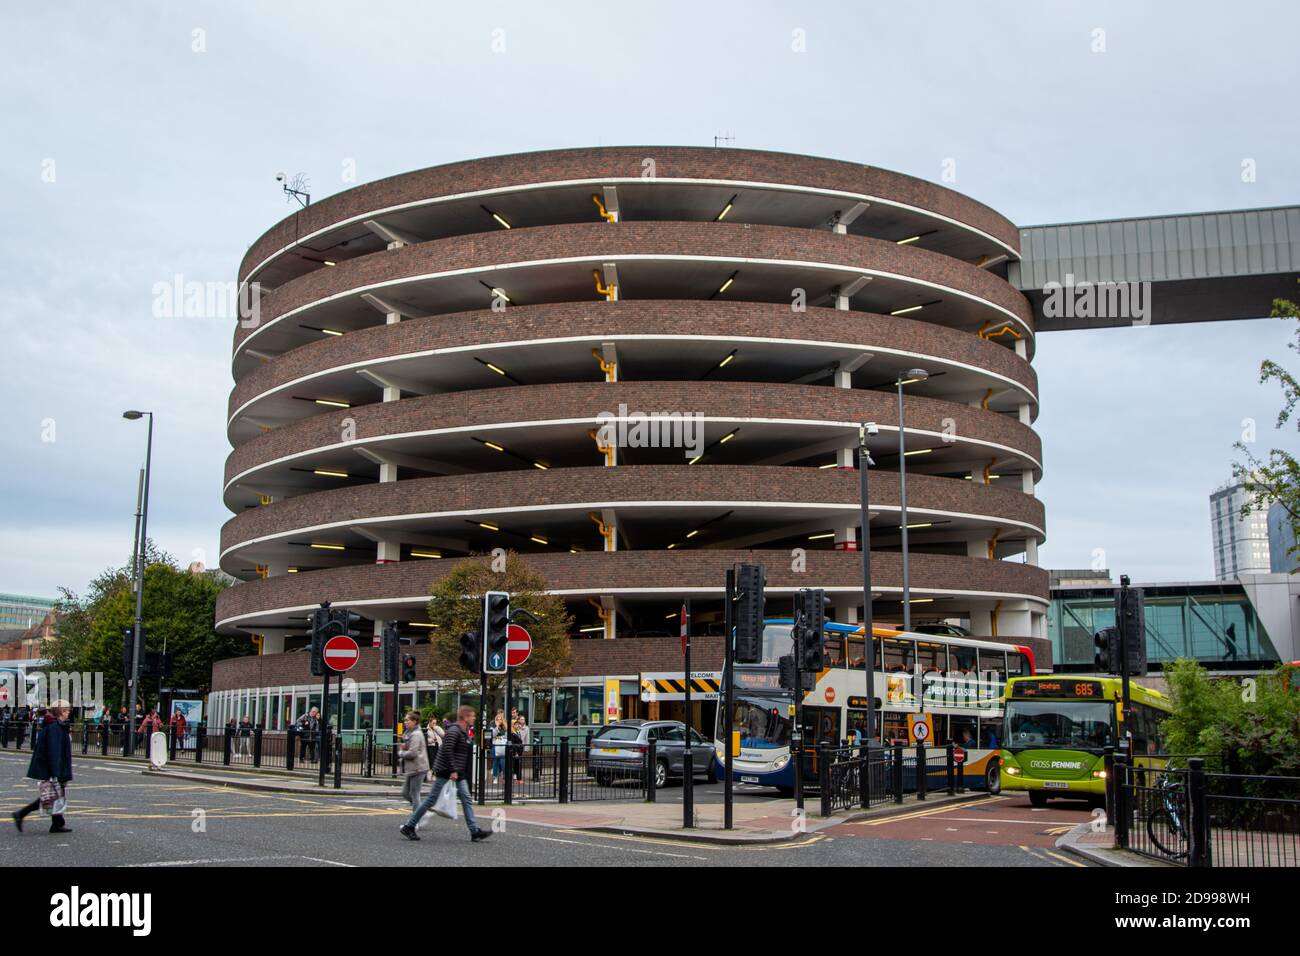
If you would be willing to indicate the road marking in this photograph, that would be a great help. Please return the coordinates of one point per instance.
(315, 859)
(624, 849)
(1069, 825)
(931, 811)
(1060, 856)
(210, 860)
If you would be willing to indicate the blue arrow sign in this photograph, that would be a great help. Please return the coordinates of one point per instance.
(496, 662)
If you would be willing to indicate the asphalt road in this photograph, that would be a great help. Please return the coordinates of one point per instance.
(121, 818)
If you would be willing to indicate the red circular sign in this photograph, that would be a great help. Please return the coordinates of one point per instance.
(830, 695)
(958, 755)
(341, 653)
(519, 645)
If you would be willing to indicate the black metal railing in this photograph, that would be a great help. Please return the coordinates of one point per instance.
(847, 778)
(1189, 816)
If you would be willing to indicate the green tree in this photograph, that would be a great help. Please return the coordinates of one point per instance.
(1253, 723)
(1276, 477)
(178, 613)
(456, 606)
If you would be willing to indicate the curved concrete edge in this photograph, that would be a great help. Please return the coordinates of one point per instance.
(1102, 855)
(814, 824)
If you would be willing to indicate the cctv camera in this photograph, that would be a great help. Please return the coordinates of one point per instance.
(279, 177)
(872, 428)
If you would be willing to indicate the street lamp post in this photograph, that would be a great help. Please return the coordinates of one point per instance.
(864, 542)
(139, 558)
(912, 375)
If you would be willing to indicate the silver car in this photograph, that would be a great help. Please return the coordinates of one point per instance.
(619, 750)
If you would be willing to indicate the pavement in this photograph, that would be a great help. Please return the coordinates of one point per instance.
(123, 816)
(1097, 845)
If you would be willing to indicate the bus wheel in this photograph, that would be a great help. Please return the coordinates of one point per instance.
(1037, 798)
(993, 779)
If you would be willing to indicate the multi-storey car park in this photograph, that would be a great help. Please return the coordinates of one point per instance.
(434, 356)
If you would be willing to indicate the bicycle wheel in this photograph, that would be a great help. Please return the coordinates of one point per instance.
(1170, 838)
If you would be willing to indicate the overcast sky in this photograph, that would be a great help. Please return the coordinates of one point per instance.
(141, 141)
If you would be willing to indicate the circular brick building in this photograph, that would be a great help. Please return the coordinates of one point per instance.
(636, 366)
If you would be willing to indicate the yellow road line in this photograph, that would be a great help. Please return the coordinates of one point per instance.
(930, 811)
(1061, 856)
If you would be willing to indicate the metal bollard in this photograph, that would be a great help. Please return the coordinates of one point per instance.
(688, 788)
(824, 778)
(338, 761)
(564, 769)
(898, 773)
(289, 734)
(651, 772)
(257, 746)
(200, 737)
(922, 771)
(1198, 852)
(229, 741)
(951, 768)
(864, 774)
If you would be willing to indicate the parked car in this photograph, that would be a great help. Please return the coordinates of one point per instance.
(620, 748)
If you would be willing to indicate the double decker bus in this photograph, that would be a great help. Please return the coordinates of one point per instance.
(1058, 728)
(958, 680)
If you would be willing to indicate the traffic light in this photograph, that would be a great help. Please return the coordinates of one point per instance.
(320, 624)
(155, 664)
(1130, 620)
(1106, 656)
(388, 655)
(128, 650)
(345, 622)
(496, 621)
(811, 636)
(785, 666)
(471, 651)
(749, 613)
(408, 668)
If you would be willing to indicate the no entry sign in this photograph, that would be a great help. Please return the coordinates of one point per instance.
(341, 653)
(519, 645)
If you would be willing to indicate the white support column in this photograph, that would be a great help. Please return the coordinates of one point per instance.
(846, 611)
(272, 643)
(1031, 551)
(1022, 349)
(1022, 411)
(1027, 481)
(981, 623)
(846, 536)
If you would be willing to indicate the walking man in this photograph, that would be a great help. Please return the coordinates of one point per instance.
(451, 768)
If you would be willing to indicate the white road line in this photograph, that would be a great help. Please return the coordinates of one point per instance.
(621, 849)
(235, 859)
(329, 862)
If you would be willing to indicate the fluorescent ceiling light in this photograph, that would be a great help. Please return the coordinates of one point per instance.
(327, 547)
(426, 554)
(331, 403)
(910, 308)
(327, 473)
(819, 537)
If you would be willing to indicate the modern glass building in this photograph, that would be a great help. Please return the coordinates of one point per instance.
(20, 611)
(1217, 623)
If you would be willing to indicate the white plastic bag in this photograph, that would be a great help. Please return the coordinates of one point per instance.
(446, 804)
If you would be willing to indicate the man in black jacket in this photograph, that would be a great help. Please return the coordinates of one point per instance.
(451, 768)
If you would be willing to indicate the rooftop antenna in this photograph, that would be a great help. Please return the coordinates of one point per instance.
(727, 139)
(296, 189)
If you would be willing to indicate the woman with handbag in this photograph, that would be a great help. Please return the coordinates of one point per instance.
(52, 765)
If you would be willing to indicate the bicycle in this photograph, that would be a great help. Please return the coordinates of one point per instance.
(1165, 826)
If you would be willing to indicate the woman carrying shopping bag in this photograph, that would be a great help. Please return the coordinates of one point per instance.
(51, 764)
